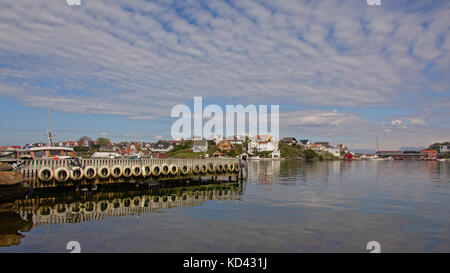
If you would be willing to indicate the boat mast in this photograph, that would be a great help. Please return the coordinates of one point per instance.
(377, 144)
(49, 132)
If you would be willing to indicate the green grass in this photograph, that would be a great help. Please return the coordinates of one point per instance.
(185, 153)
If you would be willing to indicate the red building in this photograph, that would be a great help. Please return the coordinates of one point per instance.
(349, 156)
(428, 154)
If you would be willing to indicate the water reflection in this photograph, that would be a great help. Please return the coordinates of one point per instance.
(73, 207)
(285, 206)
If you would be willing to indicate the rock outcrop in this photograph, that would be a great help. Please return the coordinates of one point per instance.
(12, 184)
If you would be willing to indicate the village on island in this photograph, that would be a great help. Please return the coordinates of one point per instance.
(259, 147)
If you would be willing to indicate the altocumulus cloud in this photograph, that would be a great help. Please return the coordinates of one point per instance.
(139, 58)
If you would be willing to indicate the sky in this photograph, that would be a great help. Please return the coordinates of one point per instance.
(340, 71)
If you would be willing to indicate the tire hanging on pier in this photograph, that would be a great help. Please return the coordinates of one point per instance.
(165, 169)
(219, 168)
(231, 167)
(45, 174)
(116, 171)
(184, 170)
(76, 173)
(204, 169)
(156, 170)
(90, 172)
(225, 167)
(236, 167)
(104, 172)
(146, 170)
(173, 169)
(127, 171)
(211, 167)
(196, 169)
(61, 174)
(137, 170)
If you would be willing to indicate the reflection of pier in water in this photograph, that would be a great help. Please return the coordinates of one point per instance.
(97, 206)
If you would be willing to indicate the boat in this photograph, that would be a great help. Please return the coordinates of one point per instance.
(42, 152)
(46, 152)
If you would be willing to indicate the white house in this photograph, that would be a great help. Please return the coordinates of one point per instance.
(262, 143)
(216, 138)
(444, 148)
(236, 139)
(161, 147)
(200, 146)
(334, 151)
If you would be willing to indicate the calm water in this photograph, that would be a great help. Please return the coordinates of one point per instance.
(285, 206)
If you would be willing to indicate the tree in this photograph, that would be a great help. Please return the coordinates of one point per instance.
(84, 138)
(310, 154)
(103, 141)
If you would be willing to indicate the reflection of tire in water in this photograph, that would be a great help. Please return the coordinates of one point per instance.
(103, 205)
(136, 202)
(146, 201)
(44, 211)
(75, 207)
(60, 208)
(89, 206)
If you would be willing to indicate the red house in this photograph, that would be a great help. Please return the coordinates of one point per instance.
(349, 156)
(428, 155)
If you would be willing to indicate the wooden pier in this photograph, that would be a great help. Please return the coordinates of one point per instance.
(50, 173)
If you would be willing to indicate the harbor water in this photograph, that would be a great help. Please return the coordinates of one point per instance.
(284, 206)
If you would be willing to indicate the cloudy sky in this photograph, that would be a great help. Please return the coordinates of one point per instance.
(341, 71)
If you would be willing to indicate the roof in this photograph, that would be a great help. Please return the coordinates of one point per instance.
(48, 148)
(202, 142)
(162, 144)
(326, 144)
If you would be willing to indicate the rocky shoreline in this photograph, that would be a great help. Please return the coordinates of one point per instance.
(12, 184)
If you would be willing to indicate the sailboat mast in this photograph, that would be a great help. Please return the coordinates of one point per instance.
(377, 144)
(50, 131)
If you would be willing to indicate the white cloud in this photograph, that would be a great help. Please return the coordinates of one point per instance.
(397, 122)
(417, 121)
(138, 59)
